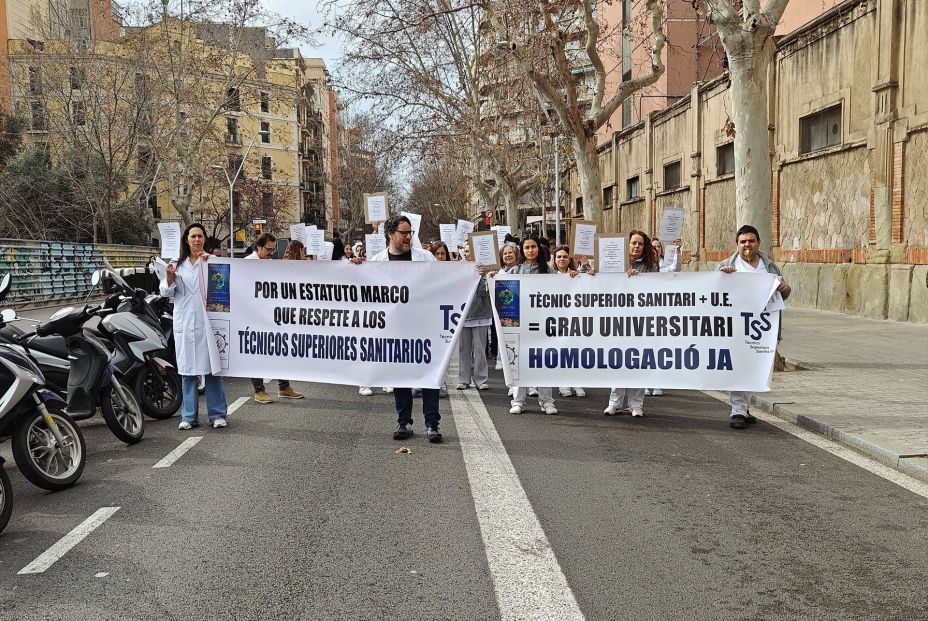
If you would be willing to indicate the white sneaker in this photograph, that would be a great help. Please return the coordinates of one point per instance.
(483, 386)
(647, 392)
(499, 366)
(184, 425)
(532, 392)
(657, 392)
(579, 392)
(565, 392)
(516, 409)
(611, 410)
(219, 423)
(365, 392)
(387, 389)
(550, 409)
(637, 413)
(463, 386)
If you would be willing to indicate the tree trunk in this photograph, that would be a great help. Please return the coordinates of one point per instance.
(753, 193)
(511, 203)
(590, 178)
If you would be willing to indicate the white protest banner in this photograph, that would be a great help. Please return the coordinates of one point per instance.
(375, 324)
(315, 242)
(374, 243)
(375, 207)
(695, 330)
(465, 228)
(298, 233)
(170, 239)
(449, 234)
(610, 254)
(501, 232)
(671, 224)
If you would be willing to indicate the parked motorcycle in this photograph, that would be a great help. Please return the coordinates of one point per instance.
(48, 446)
(6, 497)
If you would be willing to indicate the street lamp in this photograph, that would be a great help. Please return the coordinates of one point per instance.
(231, 181)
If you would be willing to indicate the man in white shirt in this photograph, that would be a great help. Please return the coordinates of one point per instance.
(749, 259)
(266, 248)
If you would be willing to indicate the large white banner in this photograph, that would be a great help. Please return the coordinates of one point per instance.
(374, 324)
(696, 330)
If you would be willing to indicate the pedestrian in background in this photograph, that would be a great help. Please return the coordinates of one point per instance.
(185, 282)
(472, 346)
(295, 251)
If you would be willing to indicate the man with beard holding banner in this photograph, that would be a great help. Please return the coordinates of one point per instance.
(398, 231)
(749, 259)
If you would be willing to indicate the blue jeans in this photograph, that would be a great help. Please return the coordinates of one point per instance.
(403, 399)
(215, 399)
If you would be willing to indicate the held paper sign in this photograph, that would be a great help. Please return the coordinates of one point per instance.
(670, 257)
(465, 228)
(610, 254)
(298, 233)
(415, 221)
(671, 224)
(375, 207)
(582, 238)
(375, 324)
(501, 232)
(374, 243)
(315, 243)
(484, 249)
(449, 235)
(170, 239)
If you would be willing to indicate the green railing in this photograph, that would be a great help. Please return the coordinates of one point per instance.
(52, 272)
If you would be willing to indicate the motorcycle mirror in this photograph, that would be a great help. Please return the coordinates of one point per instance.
(95, 278)
(5, 283)
(8, 315)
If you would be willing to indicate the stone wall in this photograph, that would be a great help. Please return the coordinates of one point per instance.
(825, 201)
(915, 190)
(720, 215)
(634, 216)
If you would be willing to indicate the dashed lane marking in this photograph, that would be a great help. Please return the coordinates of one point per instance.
(66, 543)
(177, 453)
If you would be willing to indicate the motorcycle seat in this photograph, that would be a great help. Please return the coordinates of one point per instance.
(53, 345)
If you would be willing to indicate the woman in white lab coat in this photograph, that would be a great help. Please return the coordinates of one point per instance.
(186, 283)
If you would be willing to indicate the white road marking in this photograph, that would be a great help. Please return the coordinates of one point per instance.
(236, 405)
(50, 556)
(870, 465)
(177, 453)
(527, 578)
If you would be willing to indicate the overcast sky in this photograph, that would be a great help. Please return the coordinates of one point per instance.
(305, 12)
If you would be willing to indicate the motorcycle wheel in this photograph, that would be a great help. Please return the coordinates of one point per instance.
(39, 456)
(122, 413)
(159, 394)
(6, 498)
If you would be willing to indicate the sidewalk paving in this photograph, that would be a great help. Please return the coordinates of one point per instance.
(864, 384)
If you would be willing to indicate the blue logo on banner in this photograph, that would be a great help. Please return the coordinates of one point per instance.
(507, 302)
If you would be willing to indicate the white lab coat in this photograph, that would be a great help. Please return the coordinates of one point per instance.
(190, 324)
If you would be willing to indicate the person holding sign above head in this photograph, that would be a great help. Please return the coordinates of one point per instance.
(266, 248)
(475, 327)
(185, 283)
(751, 260)
(565, 265)
(643, 259)
(398, 232)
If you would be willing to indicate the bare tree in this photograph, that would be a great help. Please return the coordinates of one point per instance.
(747, 31)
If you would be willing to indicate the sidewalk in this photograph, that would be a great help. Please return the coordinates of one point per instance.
(866, 385)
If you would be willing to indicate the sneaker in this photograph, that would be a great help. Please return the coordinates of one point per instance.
(738, 421)
(365, 391)
(289, 393)
(550, 409)
(499, 366)
(647, 392)
(388, 389)
(219, 423)
(516, 409)
(262, 397)
(403, 431)
(637, 413)
(532, 392)
(433, 435)
(483, 386)
(566, 392)
(185, 426)
(657, 392)
(611, 410)
(579, 392)
(416, 393)
(463, 386)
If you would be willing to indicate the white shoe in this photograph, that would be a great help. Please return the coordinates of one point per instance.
(579, 392)
(483, 386)
(637, 413)
(565, 392)
(463, 386)
(550, 409)
(532, 392)
(387, 389)
(219, 423)
(611, 410)
(499, 366)
(516, 409)
(365, 392)
(184, 425)
(657, 392)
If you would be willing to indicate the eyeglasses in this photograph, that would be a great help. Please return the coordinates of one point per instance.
(404, 233)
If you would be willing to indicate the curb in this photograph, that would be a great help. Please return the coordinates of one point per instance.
(886, 457)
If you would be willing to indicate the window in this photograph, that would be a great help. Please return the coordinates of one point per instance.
(232, 130)
(153, 205)
(607, 198)
(725, 159)
(237, 201)
(265, 131)
(267, 200)
(265, 102)
(578, 206)
(633, 188)
(820, 130)
(38, 116)
(236, 162)
(35, 80)
(266, 167)
(233, 101)
(78, 116)
(672, 175)
(78, 76)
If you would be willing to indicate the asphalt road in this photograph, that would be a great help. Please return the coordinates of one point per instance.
(303, 510)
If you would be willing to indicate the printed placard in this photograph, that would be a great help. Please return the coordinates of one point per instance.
(376, 207)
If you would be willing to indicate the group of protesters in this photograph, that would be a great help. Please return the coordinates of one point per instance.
(479, 341)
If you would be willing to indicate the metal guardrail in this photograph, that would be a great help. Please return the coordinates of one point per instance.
(55, 272)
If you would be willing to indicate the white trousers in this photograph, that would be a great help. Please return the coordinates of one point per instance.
(634, 397)
(473, 355)
(740, 402)
(544, 397)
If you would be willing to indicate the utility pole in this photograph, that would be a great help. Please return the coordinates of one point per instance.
(557, 195)
(231, 181)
